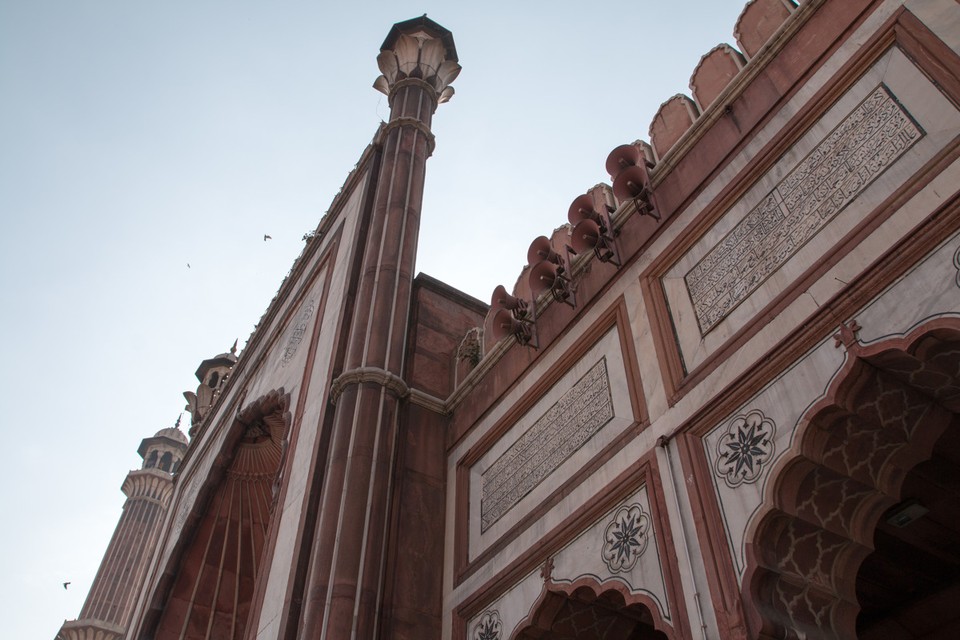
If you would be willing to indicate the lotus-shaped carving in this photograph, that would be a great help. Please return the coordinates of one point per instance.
(417, 56)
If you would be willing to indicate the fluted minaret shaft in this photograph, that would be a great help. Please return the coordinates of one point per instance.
(109, 605)
(112, 595)
(345, 588)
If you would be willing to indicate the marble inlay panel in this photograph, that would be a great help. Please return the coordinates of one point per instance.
(555, 436)
(870, 139)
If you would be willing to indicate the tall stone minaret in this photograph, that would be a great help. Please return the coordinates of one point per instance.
(343, 600)
(106, 612)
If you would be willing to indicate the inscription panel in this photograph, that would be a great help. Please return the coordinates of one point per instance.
(868, 140)
(566, 426)
(298, 331)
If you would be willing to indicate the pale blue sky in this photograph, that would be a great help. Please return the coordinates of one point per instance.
(138, 137)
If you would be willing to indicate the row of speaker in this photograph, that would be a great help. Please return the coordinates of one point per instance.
(591, 229)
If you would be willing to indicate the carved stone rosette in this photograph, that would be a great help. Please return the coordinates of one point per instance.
(488, 627)
(625, 538)
(745, 448)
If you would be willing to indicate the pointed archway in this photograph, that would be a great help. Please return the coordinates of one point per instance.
(212, 591)
(867, 462)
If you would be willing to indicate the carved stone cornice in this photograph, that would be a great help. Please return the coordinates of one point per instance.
(149, 484)
(90, 629)
(390, 381)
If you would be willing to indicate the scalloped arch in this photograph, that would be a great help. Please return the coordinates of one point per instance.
(882, 415)
(607, 609)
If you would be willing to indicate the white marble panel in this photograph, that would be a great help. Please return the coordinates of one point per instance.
(508, 611)
(781, 404)
(700, 333)
(638, 568)
(940, 16)
(620, 546)
(567, 445)
(932, 288)
(290, 370)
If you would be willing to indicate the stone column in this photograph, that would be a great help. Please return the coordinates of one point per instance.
(345, 586)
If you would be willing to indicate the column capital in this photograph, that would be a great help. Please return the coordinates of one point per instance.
(391, 381)
(418, 48)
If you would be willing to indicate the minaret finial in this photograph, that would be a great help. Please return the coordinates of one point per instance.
(233, 349)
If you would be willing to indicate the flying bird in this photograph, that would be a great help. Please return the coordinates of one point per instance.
(266, 237)
(188, 265)
(65, 584)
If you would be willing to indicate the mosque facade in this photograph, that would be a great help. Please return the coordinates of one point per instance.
(721, 402)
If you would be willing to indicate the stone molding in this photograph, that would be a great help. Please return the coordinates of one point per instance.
(414, 82)
(404, 121)
(429, 402)
(89, 629)
(392, 382)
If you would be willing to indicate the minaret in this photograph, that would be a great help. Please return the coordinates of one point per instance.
(106, 612)
(212, 374)
(344, 596)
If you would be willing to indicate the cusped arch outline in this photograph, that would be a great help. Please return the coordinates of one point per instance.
(615, 595)
(882, 415)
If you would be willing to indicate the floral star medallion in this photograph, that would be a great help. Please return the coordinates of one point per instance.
(488, 627)
(745, 448)
(625, 538)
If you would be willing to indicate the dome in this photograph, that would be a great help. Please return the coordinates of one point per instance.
(173, 433)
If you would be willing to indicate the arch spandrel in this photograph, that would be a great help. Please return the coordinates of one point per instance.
(611, 577)
(741, 451)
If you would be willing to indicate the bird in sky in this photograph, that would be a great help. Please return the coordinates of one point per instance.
(266, 237)
(188, 265)
(65, 585)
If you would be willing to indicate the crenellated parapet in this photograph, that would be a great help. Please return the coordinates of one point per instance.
(758, 21)
(715, 71)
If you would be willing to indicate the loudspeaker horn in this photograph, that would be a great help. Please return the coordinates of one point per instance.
(624, 156)
(632, 182)
(540, 249)
(587, 236)
(503, 300)
(504, 324)
(582, 209)
(546, 276)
